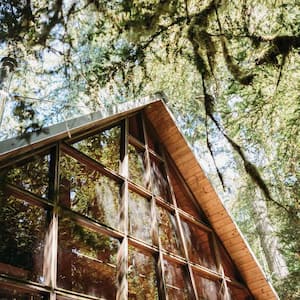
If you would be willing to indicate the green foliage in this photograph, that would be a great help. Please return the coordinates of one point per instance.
(230, 70)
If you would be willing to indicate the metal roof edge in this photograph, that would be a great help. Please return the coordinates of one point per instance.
(69, 127)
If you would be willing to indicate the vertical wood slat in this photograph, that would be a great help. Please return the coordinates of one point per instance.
(154, 225)
(122, 257)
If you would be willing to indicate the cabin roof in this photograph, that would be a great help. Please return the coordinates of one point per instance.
(190, 169)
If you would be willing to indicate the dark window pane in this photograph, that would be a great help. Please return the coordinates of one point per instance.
(183, 200)
(153, 141)
(159, 179)
(228, 266)
(104, 147)
(175, 282)
(168, 231)
(139, 217)
(89, 192)
(137, 166)
(22, 238)
(14, 293)
(86, 260)
(32, 176)
(136, 127)
(142, 284)
(198, 244)
(237, 293)
(208, 289)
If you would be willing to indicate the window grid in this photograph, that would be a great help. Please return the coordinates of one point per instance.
(155, 249)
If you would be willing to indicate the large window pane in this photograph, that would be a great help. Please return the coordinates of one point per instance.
(86, 260)
(175, 282)
(13, 293)
(32, 176)
(168, 231)
(238, 293)
(183, 200)
(22, 238)
(198, 244)
(159, 179)
(229, 268)
(142, 283)
(136, 127)
(139, 217)
(104, 147)
(208, 289)
(89, 192)
(153, 141)
(137, 166)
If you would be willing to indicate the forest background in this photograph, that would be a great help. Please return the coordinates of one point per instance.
(231, 73)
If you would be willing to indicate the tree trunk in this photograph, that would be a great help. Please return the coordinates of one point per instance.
(268, 239)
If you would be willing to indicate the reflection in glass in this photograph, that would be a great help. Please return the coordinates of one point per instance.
(9, 293)
(183, 201)
(32, 176)
(208, 289)
(174, 277)
(103, 147)
(159, 180)
(89, 192)
(137, 165)
(22, 238)
(142, 284)
(153, 141)
(198, 245)
(237, 293)
(136, 127)
(86, 260)
(139, 217)
(228, 266)
(168, 231)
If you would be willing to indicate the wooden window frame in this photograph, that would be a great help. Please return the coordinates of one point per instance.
(52, 203)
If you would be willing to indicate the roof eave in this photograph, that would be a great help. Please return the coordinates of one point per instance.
(220, 219)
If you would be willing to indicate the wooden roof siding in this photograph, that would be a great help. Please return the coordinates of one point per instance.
(179, 150)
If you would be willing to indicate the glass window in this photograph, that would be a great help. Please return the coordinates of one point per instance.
(136, 127)
(22, 238)
(103, 147)
(32, 176)
(139, 217)
(238, 293)
(14, 293)
(207, 289)
(89, 192)
(183, 200)
(229, 268)
(168, 231)
(137, 166)
(142, 283)
(198, 245)
(175, 282)
(159, 179)
(86, 260)
(153, 141)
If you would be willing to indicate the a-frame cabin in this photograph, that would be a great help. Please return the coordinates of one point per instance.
(114, 205)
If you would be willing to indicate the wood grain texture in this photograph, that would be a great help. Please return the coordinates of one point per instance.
(220, 219)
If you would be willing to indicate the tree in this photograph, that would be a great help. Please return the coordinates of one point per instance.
(230, 70)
